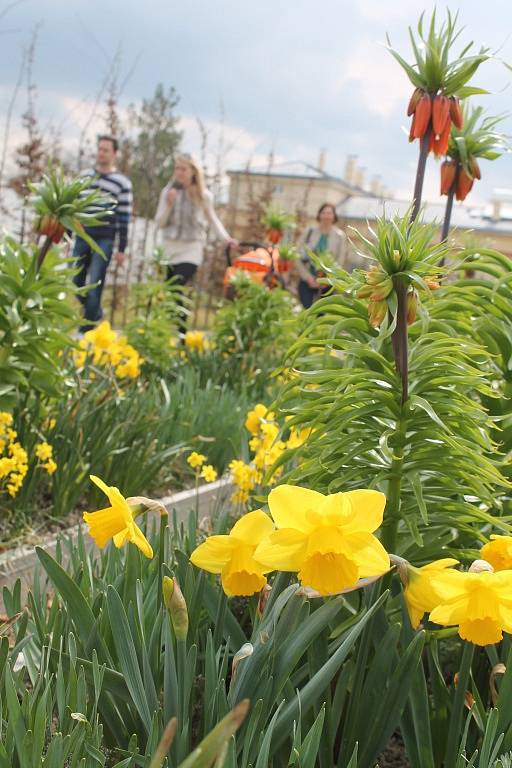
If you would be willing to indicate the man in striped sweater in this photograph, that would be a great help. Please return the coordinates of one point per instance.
(93, 267)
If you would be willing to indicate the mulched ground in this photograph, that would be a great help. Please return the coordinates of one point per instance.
(394, 754)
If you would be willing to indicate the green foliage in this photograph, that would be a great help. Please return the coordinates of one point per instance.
(132, 434)
(274, 218)
(36, 318)
(155, 308)
(73, 204)
(251, 334)
(107, 636)
(345, 387)
(477, 138)
(437, 67)
(151, 152)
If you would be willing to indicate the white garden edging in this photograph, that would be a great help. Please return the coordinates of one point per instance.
(19, 563)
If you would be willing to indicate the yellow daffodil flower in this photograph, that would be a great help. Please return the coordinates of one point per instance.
(498, 552)
(298, 437)
(6, 419)
(115, 522)
(43, 451)
(102, 336)
(479, 603)
(50, 466)
(196, 460)
(327, 539)
(255, 417)
(233, 556)
(196, 340)
(420, 596)
(208, 473)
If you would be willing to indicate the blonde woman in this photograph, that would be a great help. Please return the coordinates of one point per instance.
(185, 210)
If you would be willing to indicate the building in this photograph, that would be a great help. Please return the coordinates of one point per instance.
(296, 187)
(489, 225)
(300, 188)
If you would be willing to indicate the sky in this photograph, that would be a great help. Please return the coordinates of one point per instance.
(288, 76)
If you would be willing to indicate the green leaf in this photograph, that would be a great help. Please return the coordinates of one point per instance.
(127, 656)
(78, 607)
(316, 686)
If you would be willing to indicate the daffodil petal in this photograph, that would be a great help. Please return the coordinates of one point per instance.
(121, 538)
(450, 584)
(104, 525)
(485, 631)
(114, 495)
(367, 551)
(506, 617)
(367, 510)
(101, 485)
(439, 565)
(283, 550)
(289, 504)
(242, 583)
(252, 527)
(448, 614)
(140, 541)
(213, 554)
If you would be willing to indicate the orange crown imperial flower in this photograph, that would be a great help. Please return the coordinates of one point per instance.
(448, 171)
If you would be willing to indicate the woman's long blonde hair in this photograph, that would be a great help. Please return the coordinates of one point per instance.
(197, 189)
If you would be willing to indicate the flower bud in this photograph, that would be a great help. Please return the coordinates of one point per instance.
(377, 311)
(245, 651)
(396, 257)
(383, 290)
(412, 307)
(263, 599)
(364, 291)
(375, 276)
(432, 282)
(176, 606)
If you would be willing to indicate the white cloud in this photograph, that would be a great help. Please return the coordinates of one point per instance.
(382, 84)
(375, 10)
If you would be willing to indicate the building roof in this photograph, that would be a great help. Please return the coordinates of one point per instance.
(297, 169)
(478, 217)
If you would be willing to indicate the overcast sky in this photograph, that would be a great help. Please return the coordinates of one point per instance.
(292, 75)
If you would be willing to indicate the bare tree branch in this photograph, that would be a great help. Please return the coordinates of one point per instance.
(9, 7)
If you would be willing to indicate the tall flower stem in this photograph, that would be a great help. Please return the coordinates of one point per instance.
(42, 252)
(448, 214)
(401, 347)
(420, 173)
(401, 355)
(392, 517)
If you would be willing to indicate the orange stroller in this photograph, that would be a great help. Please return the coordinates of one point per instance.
(260, 263)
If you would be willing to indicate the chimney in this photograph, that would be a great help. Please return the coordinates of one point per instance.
(359, 177)
(321, 160)
(496, 209)
(350, 169)
(376, 186)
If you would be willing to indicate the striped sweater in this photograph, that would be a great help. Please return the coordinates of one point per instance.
(119, 187)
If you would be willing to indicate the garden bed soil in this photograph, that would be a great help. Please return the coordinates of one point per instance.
(394, 756)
